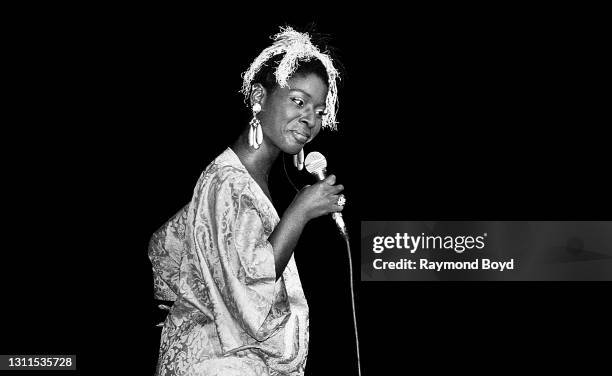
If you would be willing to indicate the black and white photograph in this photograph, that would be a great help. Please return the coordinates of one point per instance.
(368, 191)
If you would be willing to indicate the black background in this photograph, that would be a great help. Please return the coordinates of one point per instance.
(488, 114)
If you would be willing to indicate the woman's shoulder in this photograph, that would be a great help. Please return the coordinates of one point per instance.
(225, 170)
(226, 179)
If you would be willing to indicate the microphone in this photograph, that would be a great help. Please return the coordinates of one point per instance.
(316, 165)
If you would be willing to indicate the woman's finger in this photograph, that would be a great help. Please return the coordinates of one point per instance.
(331, 179)
(337, 188)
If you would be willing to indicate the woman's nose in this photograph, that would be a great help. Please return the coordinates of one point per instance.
(308, 118)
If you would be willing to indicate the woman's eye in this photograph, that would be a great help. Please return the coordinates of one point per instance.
(321, 113)
(298, 101)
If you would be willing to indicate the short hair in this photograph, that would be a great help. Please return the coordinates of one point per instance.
(267, 79)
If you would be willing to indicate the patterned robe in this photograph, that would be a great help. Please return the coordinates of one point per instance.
(230, 316)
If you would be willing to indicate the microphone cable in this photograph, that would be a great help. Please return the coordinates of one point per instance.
(287, 175)
(350, 261)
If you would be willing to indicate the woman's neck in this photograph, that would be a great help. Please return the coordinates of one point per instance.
(257, 161)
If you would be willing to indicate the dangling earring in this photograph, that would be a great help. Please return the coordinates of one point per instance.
(255, 131)
(298, 160)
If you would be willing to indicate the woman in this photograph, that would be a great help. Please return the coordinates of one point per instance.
(226, 259)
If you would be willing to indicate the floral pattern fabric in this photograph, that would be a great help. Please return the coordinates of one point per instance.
(213, 260)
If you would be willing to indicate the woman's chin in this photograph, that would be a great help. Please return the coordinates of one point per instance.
(296, 149)
(293, 147)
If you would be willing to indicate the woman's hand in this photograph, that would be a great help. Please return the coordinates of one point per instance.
(318, 199)
(311, 202)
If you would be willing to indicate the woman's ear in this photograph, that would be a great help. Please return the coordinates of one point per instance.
(258, 94)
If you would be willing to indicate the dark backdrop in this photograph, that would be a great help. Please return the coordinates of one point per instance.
(445, 114)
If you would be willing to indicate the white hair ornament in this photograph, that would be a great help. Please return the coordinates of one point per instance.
(297, 47)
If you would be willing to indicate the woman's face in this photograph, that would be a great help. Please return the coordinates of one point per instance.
(292, 116)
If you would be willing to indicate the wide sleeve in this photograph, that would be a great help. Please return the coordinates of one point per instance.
(240, 258)
(165, 252)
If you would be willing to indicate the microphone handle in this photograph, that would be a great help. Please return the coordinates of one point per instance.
(321, 175)
(340, 223)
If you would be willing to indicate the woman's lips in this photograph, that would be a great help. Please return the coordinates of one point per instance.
(301, 138)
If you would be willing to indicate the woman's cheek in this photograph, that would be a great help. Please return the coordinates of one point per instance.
(316, 132)
(292, 115)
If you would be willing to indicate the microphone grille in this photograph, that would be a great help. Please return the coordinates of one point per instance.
(315, 161)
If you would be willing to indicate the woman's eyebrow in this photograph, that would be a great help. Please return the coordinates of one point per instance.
(302, 91)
